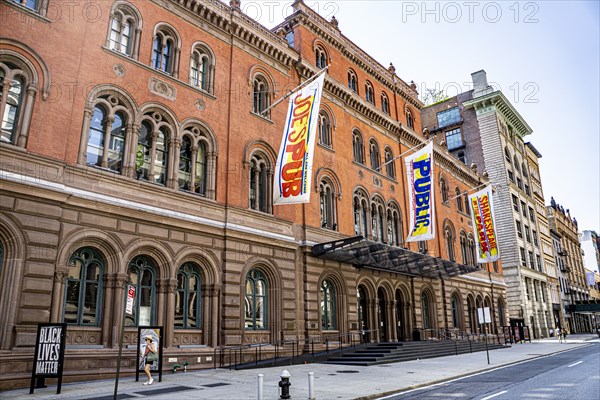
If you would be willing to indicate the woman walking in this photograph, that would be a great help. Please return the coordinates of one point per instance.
(150, 356)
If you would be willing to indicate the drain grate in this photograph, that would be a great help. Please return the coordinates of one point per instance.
(172, 389)
(211, 385)
(348, 371)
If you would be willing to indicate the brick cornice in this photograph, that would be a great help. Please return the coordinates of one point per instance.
(232, 21)
(319, 26)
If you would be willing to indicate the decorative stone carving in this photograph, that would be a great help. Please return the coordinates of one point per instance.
(187, 338)
(200, 105)
(119, 70)
(377, 182)
(162, 89)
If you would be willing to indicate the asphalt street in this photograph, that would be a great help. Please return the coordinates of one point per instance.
(573, 375)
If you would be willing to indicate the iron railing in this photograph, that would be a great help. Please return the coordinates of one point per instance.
(290, 350)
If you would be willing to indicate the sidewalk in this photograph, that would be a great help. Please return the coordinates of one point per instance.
(331, 381)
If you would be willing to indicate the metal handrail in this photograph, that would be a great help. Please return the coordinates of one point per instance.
(299, 347)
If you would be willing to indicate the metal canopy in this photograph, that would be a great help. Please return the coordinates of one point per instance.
(363, 253)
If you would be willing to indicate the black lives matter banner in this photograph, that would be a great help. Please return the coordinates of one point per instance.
(48, 360)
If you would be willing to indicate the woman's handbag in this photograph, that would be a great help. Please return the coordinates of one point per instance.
(151, 357)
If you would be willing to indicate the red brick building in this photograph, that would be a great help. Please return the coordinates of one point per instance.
(134, 151)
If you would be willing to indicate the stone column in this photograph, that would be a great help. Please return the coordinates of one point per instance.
(126, 163)
(170, 289)
(87, 119)
(109, 121)
(133, 144)
(136, 43)
(374, 320)
(152, 156)
(173, 163)
(215, 316)
(26, 118)
(394, 336)
(120, 282)
(211, 166)
(176, 63)
(58, 293)
(109, 289)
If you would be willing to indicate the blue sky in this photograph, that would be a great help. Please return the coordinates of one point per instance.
(543, 55)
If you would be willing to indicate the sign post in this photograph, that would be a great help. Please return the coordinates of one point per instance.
(49, 357)
(485, 318)
(127, 310)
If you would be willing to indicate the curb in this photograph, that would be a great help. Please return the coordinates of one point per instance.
(437, 382)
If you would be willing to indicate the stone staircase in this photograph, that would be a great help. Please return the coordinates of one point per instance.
(383, 353)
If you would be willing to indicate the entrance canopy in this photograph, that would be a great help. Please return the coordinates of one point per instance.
(363, 253)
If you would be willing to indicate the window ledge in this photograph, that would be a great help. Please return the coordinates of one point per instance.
(266, 119)
(326, 147)
(27, 10)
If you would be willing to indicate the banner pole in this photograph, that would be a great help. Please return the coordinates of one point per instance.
(398, 156)
(121, 342)
(310, 80)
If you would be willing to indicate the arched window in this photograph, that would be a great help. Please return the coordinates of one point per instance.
(107, 134)
(390, 167)
(361, 207)
(378, 216)
(459, 202)
(449, 236)
(328, 314)
(467, 204)
(409, 119)
(444, 190)
(261, 96)
(352, 81)
(472, 314)
(358, 147)
(125, 29)
(142, 276)
(463, 249)
(426, 310)
(260, 183)
(385, 103)
(471, 250)
(12, 86)
(456, 311)
(256, 301)
(327, 205)
(506, 154)
(501, 316)
(196, 150)
(152, 151)
(202, 67)
(83, 292)
(324, 129)
(517, 164)
(165, 47)
(374, 154)
(188, 298)
(369, 93)
(394, 226)
(321, 57)
(524, 170)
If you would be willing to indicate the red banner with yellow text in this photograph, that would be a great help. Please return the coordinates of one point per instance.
(293, 172)
(484, 225)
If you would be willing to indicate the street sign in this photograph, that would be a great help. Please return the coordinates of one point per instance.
(130, 300)
(484, 315)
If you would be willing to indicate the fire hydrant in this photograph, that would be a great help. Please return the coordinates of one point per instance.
(285, 384)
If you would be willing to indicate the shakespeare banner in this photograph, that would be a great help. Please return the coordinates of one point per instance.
(419, 169)
(293, 171)
(484, 226)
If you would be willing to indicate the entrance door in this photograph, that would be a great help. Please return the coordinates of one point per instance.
(381, 316)
(400, 329)
(363, 317)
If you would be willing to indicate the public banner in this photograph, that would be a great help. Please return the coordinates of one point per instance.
(484, 226)
(589, 277)
(293, 171)
(419, 169)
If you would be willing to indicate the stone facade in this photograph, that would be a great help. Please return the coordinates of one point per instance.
(487, 134)
(153, 168)
(573, 278)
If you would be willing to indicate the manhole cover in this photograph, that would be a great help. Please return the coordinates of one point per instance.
(347, 372)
